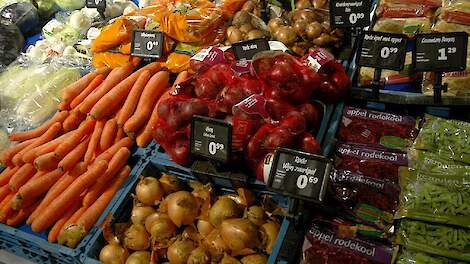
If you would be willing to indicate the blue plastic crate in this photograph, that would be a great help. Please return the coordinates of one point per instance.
(24, 242)
(122, 210)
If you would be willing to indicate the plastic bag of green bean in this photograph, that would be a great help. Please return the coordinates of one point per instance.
(442, 240)
(440, 196)
(430, 161)
(446, 137)
(414, 257)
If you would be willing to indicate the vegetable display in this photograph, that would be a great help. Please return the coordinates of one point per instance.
(411, 257)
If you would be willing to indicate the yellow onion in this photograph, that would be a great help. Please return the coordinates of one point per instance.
(224, 208)
(140, 213)
(149, 191)
(182, 208)
(239, 234)
(136, 238)
(139, 257)
(269, 233)
(215, 245)
(256, 215)
(204, 227)
(255, 259)
(199, 256)
(113, 254)
(229, 260)
(160, 226)
(169, 183)
(275, 23)
(179, 251)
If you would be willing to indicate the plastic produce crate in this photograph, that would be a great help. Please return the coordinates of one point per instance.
(122, 210)
(25, 243)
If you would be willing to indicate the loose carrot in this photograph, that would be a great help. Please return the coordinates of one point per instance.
(16, 204)
(145, 135)
(37, 187)
(63, 106)
(119, 135)
(112, 81)
(108, 134)
(22, 136)
(74, 156)
(4, 191)
(5, 207)
(50, 146)
(88, 90)
(21, 176)
(94, 141)
(108, 154)
(6, 175)
(54, 232)
(46, 162)
(58, 188)
(73, 120)
(74, 89)
(50, 134)
(116, 163)
(53, 212)
(21, 215)
(152, 91)
(75, 138)
(9, 153)
(133, 98)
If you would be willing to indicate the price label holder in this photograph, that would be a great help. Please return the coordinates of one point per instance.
(350, 13)
(100, 5)
(245, 50)
(299, 175)
(147, 44)
(211, 138)
(439, 53)
(381, 51)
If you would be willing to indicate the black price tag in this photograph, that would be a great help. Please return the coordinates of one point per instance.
(98, 4)
(147, 43)
(299, 174)
(382, 50)
(245, 50)
(350, 13)
(211, 138)
(440, 52)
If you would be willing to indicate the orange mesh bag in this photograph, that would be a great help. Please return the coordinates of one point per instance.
(115, 34)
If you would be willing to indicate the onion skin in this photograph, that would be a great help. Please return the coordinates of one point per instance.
(140, 213)
(169, 183)
(255, 259)
(256, 215)
(239, 234)
(161, 227)
(269, 231)
(224, 208)
(229, 260)
(182, 208)
(178, 252)
(113, 254)
(199, 256)
(215, 245)
(149, 191)
(139, 257)
(136, 238)
(204, 227)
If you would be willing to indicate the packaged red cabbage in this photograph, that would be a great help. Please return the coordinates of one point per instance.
(338, 242)
(379, 128)
(369, 160)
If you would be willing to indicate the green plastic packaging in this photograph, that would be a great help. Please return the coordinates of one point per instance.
(407, 256)
(430, 161)
(441, 196)
(442, 240)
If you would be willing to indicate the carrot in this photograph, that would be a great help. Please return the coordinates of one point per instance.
(74, 156)
(133, 98)
(54, 232)
(108, 134)
(108, 154)
(152, 91)
(53, 212)
(63, 106)
(21, 215)
(5, 207)
(119, 135)
(6, 174)
(50, 134)
(46, 162)
(21, 176)
(94, 141)
(58, 188)
(9, 153)
(88, 90)
(4, 191)
(73, 120)
(145, 135)
(116, 163)
(22, 136)
(50, 146)
(112, 81)
(74, 89)
(75, 138)
(37, 187)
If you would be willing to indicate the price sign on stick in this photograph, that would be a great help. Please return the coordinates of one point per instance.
(98, 4)
(211, 138)
(245, 50)
(147, 43)
(299, 174)
(382, 50)
(350, 13)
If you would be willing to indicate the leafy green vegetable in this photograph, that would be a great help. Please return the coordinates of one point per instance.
(413, 257)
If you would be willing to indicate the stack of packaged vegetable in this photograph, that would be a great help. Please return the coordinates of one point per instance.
(435, 195)
(62, 174)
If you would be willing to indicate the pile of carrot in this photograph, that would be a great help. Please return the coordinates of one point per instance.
(62, 175)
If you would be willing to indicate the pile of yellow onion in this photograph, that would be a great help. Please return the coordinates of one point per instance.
(169, 224)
